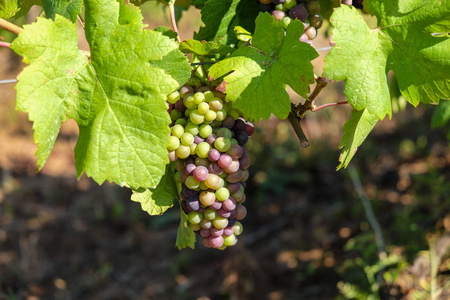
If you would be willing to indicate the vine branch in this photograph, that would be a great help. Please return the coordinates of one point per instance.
(10, 26)
(295, 122)
(5, 44)
(174, 21)
(317, 108)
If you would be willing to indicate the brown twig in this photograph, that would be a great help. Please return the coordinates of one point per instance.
(295, 122)
(81, 21)
(317, 108)
(10, 26)
(321, 84)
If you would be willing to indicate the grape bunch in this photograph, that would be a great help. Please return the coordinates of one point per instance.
(305, 10)
(209, 143)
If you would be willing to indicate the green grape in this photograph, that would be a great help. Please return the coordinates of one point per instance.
(177, 130)
(237, 228)
(189, 102)
(193, 148)
(191, 128)
(203, 149)
(208, 95)
(279, 8)
(221, 115)
(174, 143)
(196, 118)
(286, 21)
(207, 197)
(175, 114)
(222, 144)
(222, 194)
(187, 138)
(311, 32)
(219, 222)
(199, 97)
(216, 104)
(194, 217)
(210, 214)
(316, 21)
(288, 4)
(205, 130)
(195, 227)
(210, 116)
(213, 181)
(173, 97)
(181, 122)
(229, 240)
(203, 108)
(192, 183)
(313, 7)
(183, 151)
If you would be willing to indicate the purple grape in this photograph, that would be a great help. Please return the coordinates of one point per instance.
(227, 231)
(223, 213)
(198, 139)
(234, 177)
(211, 139)
(185, 207)
(179, 105)
(235, 151)
(249, 128)
(239, 125)
(228, 122)
(244, 162)
(233, 167)
(241, 137)
(189, 169)
(193, 203)
(299, 12)
(216, 242)
(224, 160)
(205, 232)
(233, 187)
(229, 204)
(216, 205)
(216, 232)
(200, 173)
(278, 14)
(214, 154)
(214, 168)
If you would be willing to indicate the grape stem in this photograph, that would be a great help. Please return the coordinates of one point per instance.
(173, 20)
(10, 26)
(328, 105)
(81, 21)
(4, 44)
(321, 84)
(203, 63)
(295, 122)
(8, 81)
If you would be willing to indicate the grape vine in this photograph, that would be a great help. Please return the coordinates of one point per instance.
(169, 127)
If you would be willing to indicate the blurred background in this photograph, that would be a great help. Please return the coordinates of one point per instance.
(306, 235)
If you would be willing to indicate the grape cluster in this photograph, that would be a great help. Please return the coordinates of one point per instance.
(209, 143)
(305, 10)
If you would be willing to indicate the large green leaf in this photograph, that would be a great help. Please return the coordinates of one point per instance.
(260, 72)
(405, 41)
(67, 8)
(16, 8)
(117, 96)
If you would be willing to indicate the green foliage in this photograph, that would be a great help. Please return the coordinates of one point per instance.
(355, 132)
(157, 200)
(403, 43)
(126, 146)
(261, 71)
(16, 8)
(205, 48)
(221, 16)
(185, 235)
(441, 115)
(67, 8)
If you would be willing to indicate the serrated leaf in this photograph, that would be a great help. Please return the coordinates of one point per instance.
(157, 200)
(260, 72)
(355, 132)
(167, 32)
(67, 8)
(242, 34)
(185, 235)
(204, 48)
(403, 42)
(441, 115)
(117, 96)
(221, 16)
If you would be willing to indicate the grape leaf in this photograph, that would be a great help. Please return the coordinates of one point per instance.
(167, 32)
(157, 200)
(355, 132)
(67, 8)
(16, 8)
(205, 48)
(260, 72)
(185, 235)
(117, 96)
(221, 16)
(441, 115)
(403, 42)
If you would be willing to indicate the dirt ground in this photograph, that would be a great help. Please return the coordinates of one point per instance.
(306, 233)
